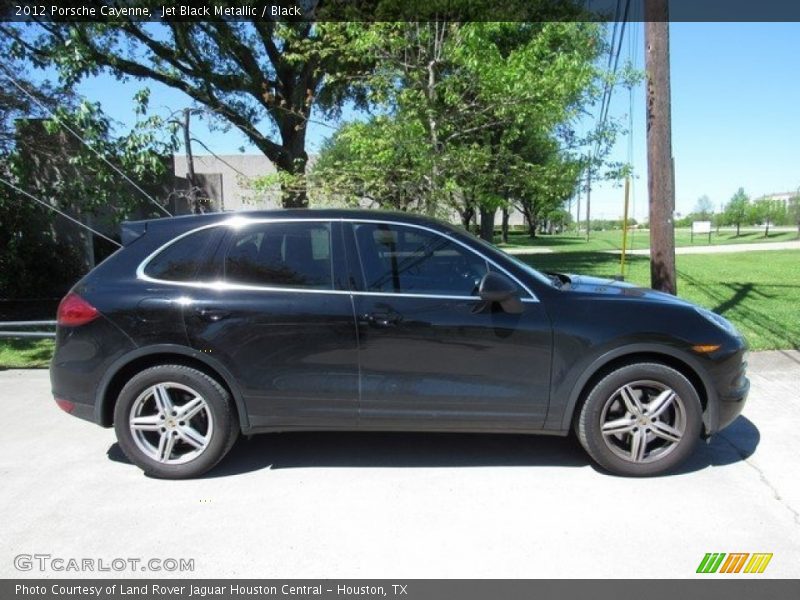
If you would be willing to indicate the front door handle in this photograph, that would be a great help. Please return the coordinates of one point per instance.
(383, 319)
(212, 314)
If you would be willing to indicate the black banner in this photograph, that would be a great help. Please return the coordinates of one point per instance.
(409, 589)
(392, 10)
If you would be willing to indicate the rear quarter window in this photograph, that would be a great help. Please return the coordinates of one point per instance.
(186, 258)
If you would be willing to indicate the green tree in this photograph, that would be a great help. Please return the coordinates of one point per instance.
(40, 251)
(260, 76)
(704, 209)
(483, 108)
(793, 211)
(767, 211)
(736, 211)
(379, 162)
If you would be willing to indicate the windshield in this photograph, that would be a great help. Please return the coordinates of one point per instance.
(552, 281)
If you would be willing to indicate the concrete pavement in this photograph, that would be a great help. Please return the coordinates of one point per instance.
(713, 249)
(403, 505)
(722, 248)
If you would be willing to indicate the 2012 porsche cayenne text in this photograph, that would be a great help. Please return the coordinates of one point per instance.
(204, 327)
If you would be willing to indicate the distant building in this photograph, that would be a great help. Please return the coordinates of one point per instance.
(782, 196)
(228, 180)
(236, 173)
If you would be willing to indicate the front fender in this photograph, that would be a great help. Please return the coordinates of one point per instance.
(563, 403)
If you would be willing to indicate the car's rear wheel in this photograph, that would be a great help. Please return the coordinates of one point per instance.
(174, 422)
(642, 419)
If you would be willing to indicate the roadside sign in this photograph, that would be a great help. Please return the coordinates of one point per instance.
(701, 227)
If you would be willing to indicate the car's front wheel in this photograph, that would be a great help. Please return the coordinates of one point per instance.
(174, 422)
(641, 419)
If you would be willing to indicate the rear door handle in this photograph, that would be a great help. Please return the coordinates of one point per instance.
(212, 314)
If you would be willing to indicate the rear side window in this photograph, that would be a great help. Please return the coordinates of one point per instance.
(291, 255)
(183, 260)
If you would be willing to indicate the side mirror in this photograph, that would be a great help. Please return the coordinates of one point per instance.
(496, 287)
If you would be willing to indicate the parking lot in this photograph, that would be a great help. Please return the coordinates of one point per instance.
(350, 505)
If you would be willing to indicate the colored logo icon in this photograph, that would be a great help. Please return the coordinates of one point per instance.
(735, 562)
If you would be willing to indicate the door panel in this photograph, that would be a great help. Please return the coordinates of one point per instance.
(282, 324)
(429, 358)
(442, 363)
(294, 354)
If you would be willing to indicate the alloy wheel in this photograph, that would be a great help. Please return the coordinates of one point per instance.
(171, 423)
(643, 421)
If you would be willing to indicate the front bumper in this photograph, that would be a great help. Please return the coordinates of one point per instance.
(732, 404)
(730, 389)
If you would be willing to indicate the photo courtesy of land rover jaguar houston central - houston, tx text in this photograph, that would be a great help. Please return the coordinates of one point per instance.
(204, 327)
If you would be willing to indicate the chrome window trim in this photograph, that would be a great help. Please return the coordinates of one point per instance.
(240, 221)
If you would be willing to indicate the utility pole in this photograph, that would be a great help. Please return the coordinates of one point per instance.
(588, 201)
(660, 165)
(194, 201)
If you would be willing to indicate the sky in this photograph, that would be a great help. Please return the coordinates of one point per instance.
(735, 115)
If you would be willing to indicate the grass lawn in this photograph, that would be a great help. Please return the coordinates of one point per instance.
(25, 353)
(758, 291)
(612, 240)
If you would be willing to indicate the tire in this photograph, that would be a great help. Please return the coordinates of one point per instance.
(642, 419)
(178, 434)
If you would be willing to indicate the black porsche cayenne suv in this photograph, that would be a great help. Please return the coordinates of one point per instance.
(204, 327)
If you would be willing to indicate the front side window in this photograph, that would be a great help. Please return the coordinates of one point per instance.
(407, 260)
(292, 255)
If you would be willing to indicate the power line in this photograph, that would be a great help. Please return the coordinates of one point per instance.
(83, 141)
(613, 59)
(62, 213)
(219, 158)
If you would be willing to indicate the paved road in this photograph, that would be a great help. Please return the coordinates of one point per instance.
(714, 249)
(723, 248)
(403, 505)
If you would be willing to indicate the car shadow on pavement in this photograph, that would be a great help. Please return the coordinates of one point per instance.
(403, 450)
(737, 442)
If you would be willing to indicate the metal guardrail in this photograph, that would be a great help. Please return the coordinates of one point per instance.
(18, 333)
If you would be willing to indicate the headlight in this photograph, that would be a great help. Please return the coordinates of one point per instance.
(718, 320)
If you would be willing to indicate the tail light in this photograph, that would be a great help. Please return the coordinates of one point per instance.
(65, 405)
(74, 310)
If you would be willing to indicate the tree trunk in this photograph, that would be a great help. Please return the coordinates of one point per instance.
(737, 229)
(487, 224)
(530, 221)
(505, 226)
(466, 217)
(292, 162)
(766, 232)
(293, 188)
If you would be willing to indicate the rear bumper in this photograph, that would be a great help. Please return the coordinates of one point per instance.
(76, 409)
(82, 356)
